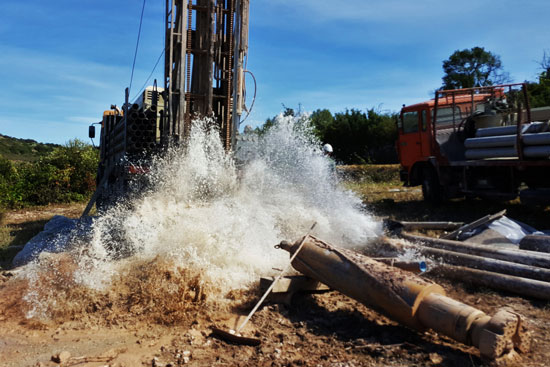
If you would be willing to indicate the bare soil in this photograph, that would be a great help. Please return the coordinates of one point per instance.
(134, 325)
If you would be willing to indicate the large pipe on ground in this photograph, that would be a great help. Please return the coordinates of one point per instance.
(485, 263)
(416, 267)
(535, 242)
(509, 283)
(409, 299)
(393, 224)
(518, 256)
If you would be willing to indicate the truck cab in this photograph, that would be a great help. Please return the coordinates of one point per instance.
(421, 140)
(432, 134)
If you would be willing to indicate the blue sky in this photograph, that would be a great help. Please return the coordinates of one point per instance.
(63, 62)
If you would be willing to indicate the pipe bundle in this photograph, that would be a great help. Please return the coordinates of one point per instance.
(139, 138)
(501, 142)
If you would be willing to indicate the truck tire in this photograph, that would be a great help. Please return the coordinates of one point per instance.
(432, 191)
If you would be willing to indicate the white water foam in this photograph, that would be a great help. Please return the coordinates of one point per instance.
(204, 211)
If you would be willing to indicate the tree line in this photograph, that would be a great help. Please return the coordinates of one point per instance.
(357, 137)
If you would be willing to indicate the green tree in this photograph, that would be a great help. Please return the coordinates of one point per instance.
(473, 67)
(539, 92)
(8, 181)
(321, 120)
(358, 137)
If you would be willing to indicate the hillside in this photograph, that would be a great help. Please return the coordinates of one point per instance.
(23, 149)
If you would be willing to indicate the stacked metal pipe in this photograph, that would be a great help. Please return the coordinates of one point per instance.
(501, 142)
(139, 138)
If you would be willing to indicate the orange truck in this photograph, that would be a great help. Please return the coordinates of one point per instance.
(478, 142)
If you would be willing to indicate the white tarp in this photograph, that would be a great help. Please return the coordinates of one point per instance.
(57, 236)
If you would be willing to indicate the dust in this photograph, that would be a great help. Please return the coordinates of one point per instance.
(204, 229)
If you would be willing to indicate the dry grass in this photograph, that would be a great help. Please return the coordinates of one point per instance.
(390, 199)
(17, 227)
(384, 174)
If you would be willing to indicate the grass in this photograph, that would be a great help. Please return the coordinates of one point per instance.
(383, 174)
(380, 189)
(17, 227)
(14, 236)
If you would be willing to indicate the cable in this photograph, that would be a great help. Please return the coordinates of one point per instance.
(149, 77)
(249, 110)
(137, 46)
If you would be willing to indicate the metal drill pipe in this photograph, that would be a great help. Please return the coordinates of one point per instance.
(409, 299)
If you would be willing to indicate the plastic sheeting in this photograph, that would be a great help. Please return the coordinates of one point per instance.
(511, 229)
(501, 231)
(58, 236)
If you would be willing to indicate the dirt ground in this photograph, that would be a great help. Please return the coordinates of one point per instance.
(326, 329)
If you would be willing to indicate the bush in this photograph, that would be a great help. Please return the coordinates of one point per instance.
(66, 174)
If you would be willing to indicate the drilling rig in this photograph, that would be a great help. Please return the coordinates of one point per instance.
(206, 45)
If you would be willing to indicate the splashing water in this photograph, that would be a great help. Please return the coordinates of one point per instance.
(206, 212)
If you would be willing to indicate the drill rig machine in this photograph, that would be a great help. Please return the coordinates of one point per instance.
(205, 48)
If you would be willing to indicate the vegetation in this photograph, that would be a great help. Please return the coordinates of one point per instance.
(357, 137)
(23, 149)
(473, 67)
(539, 92)
(65, 174)
(380, 174)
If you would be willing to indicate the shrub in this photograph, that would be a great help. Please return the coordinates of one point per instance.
(66, 174)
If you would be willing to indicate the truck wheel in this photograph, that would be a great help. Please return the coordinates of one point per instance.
(432, 191)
